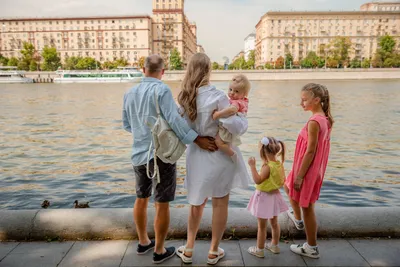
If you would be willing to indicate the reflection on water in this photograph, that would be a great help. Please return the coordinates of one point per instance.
(65, 142)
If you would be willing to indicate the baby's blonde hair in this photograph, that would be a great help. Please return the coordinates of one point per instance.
(240, 82)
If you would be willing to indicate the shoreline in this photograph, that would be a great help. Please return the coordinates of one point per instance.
(272, 75)
(117, 224)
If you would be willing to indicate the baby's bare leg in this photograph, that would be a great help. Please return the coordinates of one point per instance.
(224, 147)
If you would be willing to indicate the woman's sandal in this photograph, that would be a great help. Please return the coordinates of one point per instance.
(180, 252)
(220, 254)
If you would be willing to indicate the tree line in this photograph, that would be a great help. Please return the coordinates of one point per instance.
(49, 60)
(332, 55)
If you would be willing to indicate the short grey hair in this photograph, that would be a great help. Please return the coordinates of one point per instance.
(154, 63)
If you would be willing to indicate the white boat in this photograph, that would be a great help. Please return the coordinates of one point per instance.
(121, 75)
(12, 75)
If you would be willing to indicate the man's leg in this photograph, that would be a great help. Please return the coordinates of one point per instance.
(161, 225)
(164, 193)
(140, 219)
(143, 193)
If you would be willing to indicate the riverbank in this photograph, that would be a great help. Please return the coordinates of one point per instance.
(271, 75)
(117, 224)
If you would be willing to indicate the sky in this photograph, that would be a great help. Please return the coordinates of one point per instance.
(222, 25)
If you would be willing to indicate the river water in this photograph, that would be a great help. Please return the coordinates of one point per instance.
(65, 142)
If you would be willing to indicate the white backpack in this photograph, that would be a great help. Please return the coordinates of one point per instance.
(167, 146)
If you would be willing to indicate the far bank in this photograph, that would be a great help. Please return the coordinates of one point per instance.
(274, 75)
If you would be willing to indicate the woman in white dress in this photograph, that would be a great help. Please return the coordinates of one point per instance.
(208, 174)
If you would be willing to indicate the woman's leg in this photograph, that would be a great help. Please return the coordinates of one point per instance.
(195, 214)
(276, 231)
(219, 219)
(310, 222)
(295, 205)
(261, 233)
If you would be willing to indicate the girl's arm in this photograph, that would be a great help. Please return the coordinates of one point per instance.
(258, 178)
(313, 130)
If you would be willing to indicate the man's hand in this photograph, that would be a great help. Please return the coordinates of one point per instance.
(206, 143)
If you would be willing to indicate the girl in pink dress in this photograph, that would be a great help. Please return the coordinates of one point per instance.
(304, 182)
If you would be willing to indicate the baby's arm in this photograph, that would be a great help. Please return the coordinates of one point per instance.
(258, 178)
(225, 113)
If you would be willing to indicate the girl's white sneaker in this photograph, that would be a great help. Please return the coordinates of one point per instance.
(255, 251)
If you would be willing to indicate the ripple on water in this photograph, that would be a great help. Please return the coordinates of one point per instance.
(65, 142)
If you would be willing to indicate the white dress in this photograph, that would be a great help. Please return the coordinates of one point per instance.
(213, 174)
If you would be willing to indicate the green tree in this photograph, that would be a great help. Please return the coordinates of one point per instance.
(240, 63)
(3, 60)
(87, 63)
(51, 60)
(339, 48)
(13, 62)
(27, 53)
(288, 60)
(141, 62)
(71, 62)
(365, 63)
(33, 66)
(121, 62)
(175, 60)
(215, 66)
(355, 63)
(252, 60)
(387, 44)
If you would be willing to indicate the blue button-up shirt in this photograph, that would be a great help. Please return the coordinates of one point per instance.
(139, 115)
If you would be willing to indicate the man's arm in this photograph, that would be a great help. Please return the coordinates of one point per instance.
(125, 119)
(169, 110)
(178, 124)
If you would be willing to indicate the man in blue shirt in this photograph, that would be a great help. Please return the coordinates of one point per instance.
(139, 113)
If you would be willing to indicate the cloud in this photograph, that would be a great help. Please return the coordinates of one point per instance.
(222, 24)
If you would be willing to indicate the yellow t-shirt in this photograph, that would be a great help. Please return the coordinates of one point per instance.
(276, 177)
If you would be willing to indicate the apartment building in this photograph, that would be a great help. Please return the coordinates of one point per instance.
(279, 33)
(172, 29)
(106, 38)
(103, 38)
(249, 45)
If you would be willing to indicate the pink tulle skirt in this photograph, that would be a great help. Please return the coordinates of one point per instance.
(266, 205)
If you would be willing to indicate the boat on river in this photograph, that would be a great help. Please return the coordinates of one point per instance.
(120, 75)
(13, 75)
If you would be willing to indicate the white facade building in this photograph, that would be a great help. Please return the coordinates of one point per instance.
(249, 44)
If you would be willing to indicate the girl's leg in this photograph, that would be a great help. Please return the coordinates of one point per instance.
(295, 205)
(195, 214)
(219, 219)
(276, 231)
(310, 222)
(261, 233)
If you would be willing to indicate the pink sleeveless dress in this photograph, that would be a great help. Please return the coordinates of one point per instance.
(314, 177)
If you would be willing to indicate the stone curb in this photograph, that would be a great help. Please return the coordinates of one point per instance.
(100, 224)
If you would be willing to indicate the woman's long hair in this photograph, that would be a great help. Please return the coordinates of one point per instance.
(197, 75)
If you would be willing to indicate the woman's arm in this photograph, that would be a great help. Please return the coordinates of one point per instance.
(313, 130)
(258, 178)
(234, 124)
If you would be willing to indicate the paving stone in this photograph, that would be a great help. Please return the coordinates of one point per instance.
(232, 257)
(131, 259)
(379, 252)
(36, 254)
(285, 258)
(335, 252)
(96, 254)
(6, 247)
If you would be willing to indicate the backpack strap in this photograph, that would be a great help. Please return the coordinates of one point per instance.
(156, 171)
